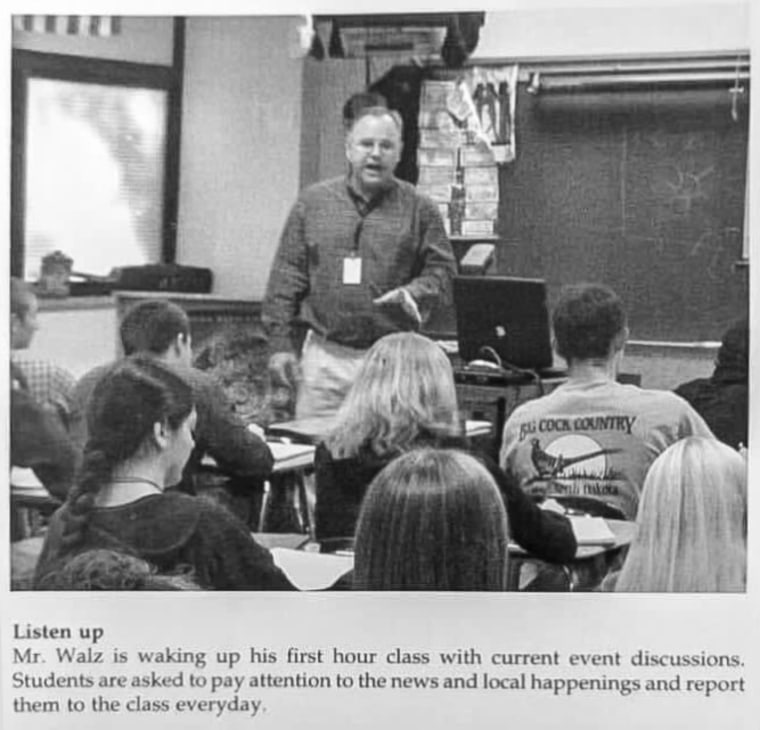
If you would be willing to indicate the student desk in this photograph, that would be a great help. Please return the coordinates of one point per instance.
(309, 569)
(29, 500)
(284, 506)
(590, 565)
(494, 402)
(313, 430)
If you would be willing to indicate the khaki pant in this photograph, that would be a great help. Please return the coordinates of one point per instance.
(328, 370)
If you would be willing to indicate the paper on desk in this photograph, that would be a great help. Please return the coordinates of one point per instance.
(286, 454)
(311, 571)
(22, 478)
(592, 531)
(478, 428)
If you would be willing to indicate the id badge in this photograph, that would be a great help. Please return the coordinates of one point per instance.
(352, 270)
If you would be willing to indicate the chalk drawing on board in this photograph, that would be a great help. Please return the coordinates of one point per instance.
(688, 190)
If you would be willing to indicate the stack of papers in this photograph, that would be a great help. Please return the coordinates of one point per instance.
(592, 531)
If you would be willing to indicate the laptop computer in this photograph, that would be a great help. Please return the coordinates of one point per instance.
(508, 315)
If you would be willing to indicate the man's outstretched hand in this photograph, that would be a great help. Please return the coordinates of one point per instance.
(404, 299)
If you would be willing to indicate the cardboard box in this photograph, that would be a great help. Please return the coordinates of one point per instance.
(437, 193)
(433, 157)
(477, 228)
(481, 176)
(437, 175)
(476, 156)
(481, 193)
(437, 118)
(483, 211)
(434, 93)
(440, 138)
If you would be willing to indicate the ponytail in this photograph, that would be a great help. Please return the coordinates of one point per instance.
(95, 471)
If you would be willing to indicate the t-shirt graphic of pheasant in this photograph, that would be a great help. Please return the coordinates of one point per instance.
(550, 466)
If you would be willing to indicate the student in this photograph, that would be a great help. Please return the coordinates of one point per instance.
(432, 520)
(592, 437)
(404, 397)
(161, 330)
(39, 440)
(723, 399)
(692, 522)
(141, 418)
(48, 384)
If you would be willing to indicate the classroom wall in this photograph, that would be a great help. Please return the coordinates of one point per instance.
(142, 40)
(241, 125)
(76, 337)
(651, 28)
(533, 29)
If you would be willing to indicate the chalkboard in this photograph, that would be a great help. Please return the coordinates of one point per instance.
(642, 191)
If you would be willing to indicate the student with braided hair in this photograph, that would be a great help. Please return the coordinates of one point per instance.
(140, 422)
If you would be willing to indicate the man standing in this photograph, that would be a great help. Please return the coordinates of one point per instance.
(360, 257)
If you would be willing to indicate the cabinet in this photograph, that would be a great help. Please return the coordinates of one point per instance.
(495, 403)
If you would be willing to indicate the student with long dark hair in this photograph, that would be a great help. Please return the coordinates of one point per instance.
(432, 520)
(140, 421)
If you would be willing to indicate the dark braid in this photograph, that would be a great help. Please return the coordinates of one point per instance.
(124, 407)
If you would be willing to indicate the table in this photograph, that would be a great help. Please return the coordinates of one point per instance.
(285, 504)
(591, 564)
(585, 572)
(313, 430)
(495, 402)
(29, 499)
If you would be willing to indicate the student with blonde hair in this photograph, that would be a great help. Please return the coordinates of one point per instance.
(691, 522)
(432, 520)
(404, 398)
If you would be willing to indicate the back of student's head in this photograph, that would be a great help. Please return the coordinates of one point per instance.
(125, 406)
(733, 355)
(432, 520)
(21, 296)
(404, 388)
(588, 320)
(691, 522)
(153, 326)
(111, 570)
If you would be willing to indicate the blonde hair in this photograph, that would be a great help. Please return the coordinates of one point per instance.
(691, 522)
(432, 520)
(404, 389)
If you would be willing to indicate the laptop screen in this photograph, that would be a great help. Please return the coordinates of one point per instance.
(504, 313)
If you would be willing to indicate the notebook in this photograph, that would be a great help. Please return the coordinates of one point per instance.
(508, 315)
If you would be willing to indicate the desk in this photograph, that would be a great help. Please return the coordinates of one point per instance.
(590, 565)
(29, 499)
(494, 403)
(285, 505)
(313, 430)
(584, 573)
